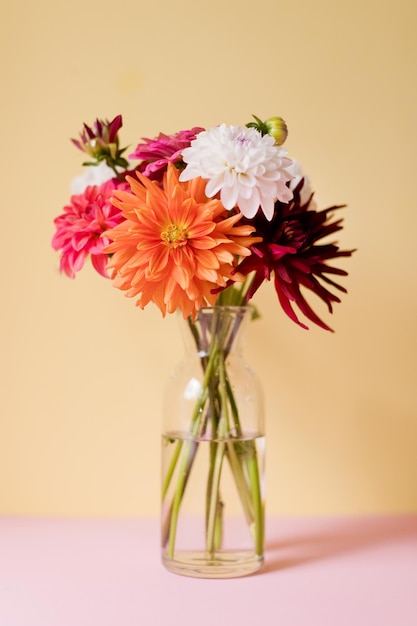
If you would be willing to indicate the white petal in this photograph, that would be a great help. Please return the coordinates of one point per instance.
(249, 206)
(246, 180)
(214, 185)
(229, 196)
(93, 175)
(267, 206)
(191, 171)
(284, 193)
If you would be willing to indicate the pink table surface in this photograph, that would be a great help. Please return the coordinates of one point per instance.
(319, 571)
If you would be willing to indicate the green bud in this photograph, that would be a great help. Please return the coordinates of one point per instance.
(277, 127)
(274, 126)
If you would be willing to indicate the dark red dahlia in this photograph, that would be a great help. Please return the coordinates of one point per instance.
(290, 250)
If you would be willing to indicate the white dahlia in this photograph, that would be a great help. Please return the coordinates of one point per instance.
(97, 175)
(246, 167)
(297, 174)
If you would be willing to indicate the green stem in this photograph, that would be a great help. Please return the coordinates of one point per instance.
(171, 468)
(250, 494)
(189, 449)
(235, 412)
(214, 500)
(241, 482)
(165, 529)
(220, 448)
(118, 175)
(253, 473)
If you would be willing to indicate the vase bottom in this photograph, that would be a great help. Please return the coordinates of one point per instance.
(225, 565)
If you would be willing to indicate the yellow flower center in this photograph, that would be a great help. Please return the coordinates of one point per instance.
(174, 235)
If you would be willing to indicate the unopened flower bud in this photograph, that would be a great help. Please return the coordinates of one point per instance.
(101, 143)
(274, 126)
(277, 127)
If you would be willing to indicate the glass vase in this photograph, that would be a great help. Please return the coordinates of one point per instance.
(213, 449)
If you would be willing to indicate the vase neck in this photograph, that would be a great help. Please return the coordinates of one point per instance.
(220, 324)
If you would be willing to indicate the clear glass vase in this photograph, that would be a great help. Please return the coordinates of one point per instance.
(213, 449)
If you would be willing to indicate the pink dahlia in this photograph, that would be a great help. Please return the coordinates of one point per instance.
(155, 154)
(80, 228)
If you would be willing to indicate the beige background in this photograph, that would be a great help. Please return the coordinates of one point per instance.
(82, 369)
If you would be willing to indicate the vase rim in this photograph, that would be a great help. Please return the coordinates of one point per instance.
(235, 310)
(223, 307)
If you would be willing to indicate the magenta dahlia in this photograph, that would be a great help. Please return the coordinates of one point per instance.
(291, 252)
(155, 154)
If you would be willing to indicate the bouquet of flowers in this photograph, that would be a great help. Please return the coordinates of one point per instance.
(194, 220)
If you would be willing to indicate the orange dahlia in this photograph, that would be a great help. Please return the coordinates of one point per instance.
(175, 246)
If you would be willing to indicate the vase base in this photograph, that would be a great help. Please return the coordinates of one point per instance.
(224, 565)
